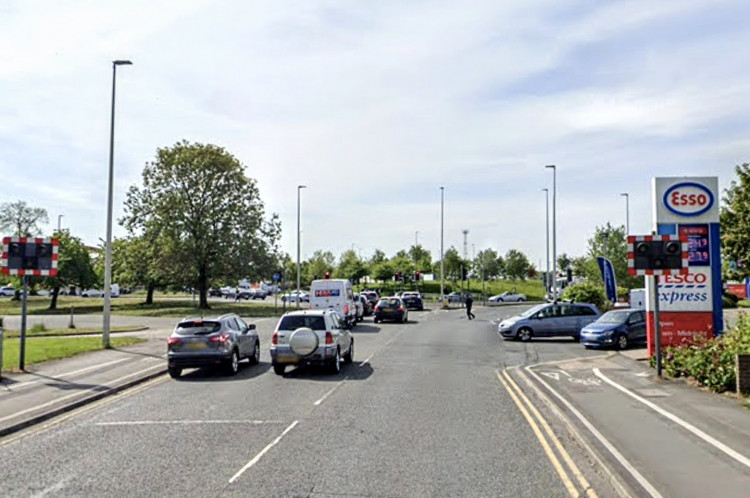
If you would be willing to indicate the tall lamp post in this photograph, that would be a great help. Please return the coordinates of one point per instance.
(59, 218)
(442, 262)
(554, 231)
(299, 276)
(416, 238)
(627, 213)
(108, 243)
(546, 211)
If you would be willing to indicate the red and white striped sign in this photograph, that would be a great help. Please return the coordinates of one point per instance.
(633, 239)
(51, 272)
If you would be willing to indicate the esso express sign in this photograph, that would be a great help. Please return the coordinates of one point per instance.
(688, 199)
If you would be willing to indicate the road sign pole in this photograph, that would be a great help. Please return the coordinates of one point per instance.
(22, 342)
(657, 326)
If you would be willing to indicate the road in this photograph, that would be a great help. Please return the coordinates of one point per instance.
(428, 408)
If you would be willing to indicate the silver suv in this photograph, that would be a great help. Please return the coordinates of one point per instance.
(549, 320)
(311, 337)
(199, 342)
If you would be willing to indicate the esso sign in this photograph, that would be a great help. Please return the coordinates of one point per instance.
(688, 199)
(688, 278)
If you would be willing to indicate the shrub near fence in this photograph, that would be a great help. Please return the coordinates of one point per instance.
(710, 362)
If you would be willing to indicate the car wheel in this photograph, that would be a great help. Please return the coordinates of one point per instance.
(336, 363)
(233, 366)
(621, 342)
(499, 300)
(255, 358)
(520, 300)
(349, 356)
(278, 368)
(174, 372)
(375, 320)
(524, 334)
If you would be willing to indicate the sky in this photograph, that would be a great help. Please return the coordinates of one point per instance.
(376, 105)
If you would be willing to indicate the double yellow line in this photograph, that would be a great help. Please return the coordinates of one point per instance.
(520, 399)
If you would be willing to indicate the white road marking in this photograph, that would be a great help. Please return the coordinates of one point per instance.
(330, 391)
(598, 435)
(674, 418)
(551, 375)
(66, 374)
(72, 395)
(366, 361)
(52, 489)
(188, 422)
(265, 450)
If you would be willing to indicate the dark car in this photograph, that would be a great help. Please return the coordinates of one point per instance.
(412, 300)
(214, 292)
(616, 328)
(371, 296)
(199, 342)
(390, 308)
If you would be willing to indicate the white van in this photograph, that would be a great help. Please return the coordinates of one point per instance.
(337, 294)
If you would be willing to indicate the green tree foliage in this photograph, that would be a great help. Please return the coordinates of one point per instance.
(735, 225)
(611, 242)
(320, 263)
(21, 220)
(453, 264)
(487, 261)
(587, 292)
(563, 261)
(144, 261)
(516, 265)
(74, 266)
(351, 267)
(382, 271)
(197, 203)
(420, 257)
(377, 257)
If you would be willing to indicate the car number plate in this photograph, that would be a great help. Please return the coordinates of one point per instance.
(196, 345)
(388, 309)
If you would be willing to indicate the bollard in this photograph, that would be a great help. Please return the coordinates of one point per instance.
(71, 325)
(742, 372)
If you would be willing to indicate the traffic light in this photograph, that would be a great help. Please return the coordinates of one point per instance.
(464, 273)
(29, 256)
(569, 274)
(397, 276)
(328, 275)
(658, 255)
(416, 276)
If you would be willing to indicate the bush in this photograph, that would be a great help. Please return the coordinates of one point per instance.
(728, 302)
(710, 362)
(586, 292)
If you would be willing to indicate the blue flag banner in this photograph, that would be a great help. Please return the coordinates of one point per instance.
(608, 276)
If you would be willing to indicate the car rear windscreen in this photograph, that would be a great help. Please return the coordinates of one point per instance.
(198, 327)
(296, 321)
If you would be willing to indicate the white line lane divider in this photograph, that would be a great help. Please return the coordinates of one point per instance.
(598, 435)
(330, 391)
(674, 418)
(265, 450)
(188, 422)
(366, 361)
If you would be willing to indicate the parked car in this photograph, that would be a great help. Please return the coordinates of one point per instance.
(315, 337)
(412, 300)
(616, 328)
(549, 320)
(7, 290)
(391, 308)
(223, 340)
(292, 297)
(92, 293)
(258, 293)
(359, 308)
(212, 292)
(507, 297)
(454, 297)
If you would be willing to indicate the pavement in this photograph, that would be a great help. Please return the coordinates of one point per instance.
(52, 388)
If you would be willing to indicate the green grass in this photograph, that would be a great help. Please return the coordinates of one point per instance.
(37, 331)
(42, 349)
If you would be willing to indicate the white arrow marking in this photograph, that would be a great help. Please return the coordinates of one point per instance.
(552, 375)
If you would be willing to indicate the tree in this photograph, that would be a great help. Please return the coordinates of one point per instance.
(377, 257)
(421, 257)
(351, 267)
(207, 215)
(487, 262)
(563, 261)
(382, 271)
(22, 220)
(74, 266)
(453, 264)
(320, 263)
(611, 242)
(516, 264)
(139, 261)
(735, 225)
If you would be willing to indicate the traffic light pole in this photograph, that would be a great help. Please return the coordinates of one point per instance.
(657, 327)
(22, 342)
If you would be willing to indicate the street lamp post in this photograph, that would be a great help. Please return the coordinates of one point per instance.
(554, 231)
(627, 213)
(546, 279)
(299, 276)
(416, 238)
(59, 217)
(442, 262)
(108, 243)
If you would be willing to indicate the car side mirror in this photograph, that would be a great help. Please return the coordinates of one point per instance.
(251, 327)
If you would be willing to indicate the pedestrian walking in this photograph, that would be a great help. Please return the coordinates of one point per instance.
(236, 294)
(469, 302)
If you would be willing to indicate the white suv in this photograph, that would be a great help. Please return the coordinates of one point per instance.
(311, 337)
(7, 290)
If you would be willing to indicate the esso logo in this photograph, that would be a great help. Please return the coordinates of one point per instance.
(688, 278)
(688, 199)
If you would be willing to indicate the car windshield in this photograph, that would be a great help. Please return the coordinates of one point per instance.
(293, 322)
(533, 310)
(617, 317)
(199, 327)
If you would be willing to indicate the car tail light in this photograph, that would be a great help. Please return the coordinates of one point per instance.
(275, 338)
(346, 309)
(329, 338)
(221, 338)
(171, 341)
(401, 308)
(377, 308)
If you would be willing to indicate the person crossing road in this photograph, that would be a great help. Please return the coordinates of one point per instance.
(469, 302)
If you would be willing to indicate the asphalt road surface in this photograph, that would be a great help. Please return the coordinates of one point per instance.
(428, 408)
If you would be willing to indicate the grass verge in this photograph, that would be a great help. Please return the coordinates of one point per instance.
(40, 349)
(42, 332)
